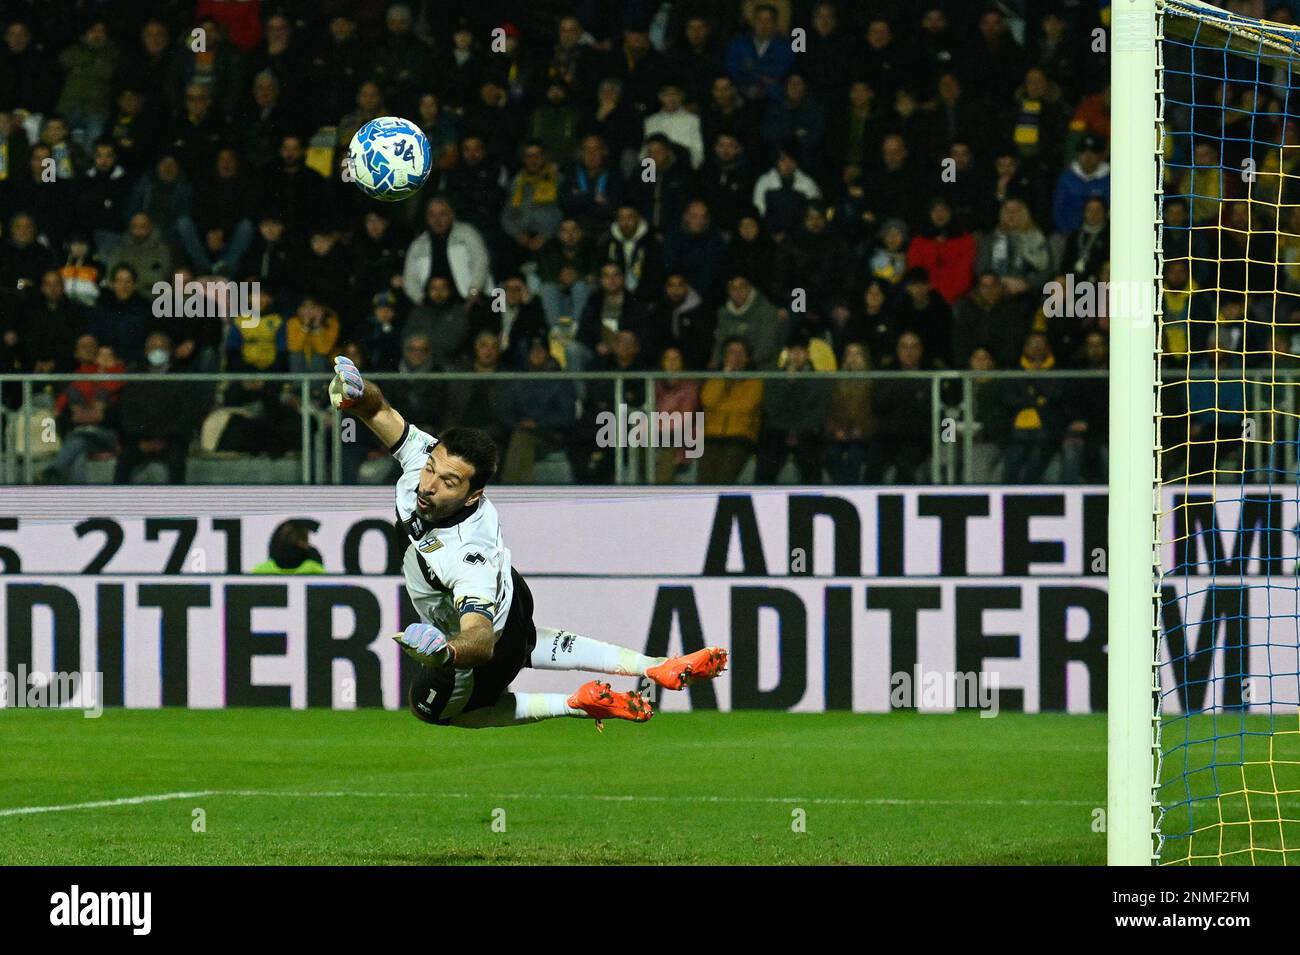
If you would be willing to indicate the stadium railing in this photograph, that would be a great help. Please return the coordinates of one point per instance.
(954, 418)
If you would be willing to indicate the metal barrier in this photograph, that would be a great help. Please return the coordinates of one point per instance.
(954, 425)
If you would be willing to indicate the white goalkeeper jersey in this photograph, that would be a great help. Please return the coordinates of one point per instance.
(453, 567)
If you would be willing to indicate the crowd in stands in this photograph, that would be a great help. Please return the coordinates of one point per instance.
(620, 185)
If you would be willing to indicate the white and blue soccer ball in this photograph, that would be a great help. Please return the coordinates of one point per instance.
(390, 158)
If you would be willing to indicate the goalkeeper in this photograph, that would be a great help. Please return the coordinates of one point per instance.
(476, 631)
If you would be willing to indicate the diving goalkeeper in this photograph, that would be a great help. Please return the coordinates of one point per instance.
(476, 631)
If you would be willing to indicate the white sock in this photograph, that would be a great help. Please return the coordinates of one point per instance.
(566, 650)
(515, 709)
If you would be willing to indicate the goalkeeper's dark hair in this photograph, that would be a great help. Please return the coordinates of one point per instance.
(476, 447)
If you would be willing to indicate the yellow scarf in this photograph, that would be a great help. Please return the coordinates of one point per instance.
(545, 187)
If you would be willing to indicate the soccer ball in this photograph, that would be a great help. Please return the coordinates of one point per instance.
(390, 158)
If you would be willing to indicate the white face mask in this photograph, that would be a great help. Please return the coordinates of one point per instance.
(158, 357)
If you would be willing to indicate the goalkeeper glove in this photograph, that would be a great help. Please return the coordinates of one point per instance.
(427, 644)
(346, 387)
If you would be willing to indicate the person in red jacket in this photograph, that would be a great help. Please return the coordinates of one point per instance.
(946, 250)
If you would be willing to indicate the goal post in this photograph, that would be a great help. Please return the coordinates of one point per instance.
(1131, 546)
(1203, 731)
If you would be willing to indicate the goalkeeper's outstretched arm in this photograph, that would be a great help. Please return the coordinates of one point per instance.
(364, 399)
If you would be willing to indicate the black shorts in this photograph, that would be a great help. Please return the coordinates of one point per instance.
(435, 687)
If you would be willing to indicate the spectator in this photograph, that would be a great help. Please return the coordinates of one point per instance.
(631, 247)
(889, 260)
(198, 133)
(609, 310)
(1087, 248)
(220, 232)
(759, 60)
(725, 183)
(144, 251)
(728, 113)
(616, 121)
(443, 320)
(591, 191)
(674, 396)
(121, 319)
(565, 270)
(748, 314)
(884, 63)
(903, 425)
(51, 329)
(1016, 251)
(924, 312)
(516, 317)
(732, 411)
(987, 318)
(752, 253)
(1036, 120)
(399, 62)
(28, 74)
(532, 213)
(783, 192)
(377, 252)
(946, 251)
(683, 320)
(1088, 422)
(381, 336)
(25, 259)
(293, 191)
(310, 337)
(1034, 408)
(794, 117)
(101, 198)
(662, 199)
(696, 249)
(262, 345)
(1087, 177)
(448, 248)
(84, 411)
(794, 416)
(290, 552)
(849, 421)
(854, 134)
(538, 414)
(476, 403)
(266, 123)
(81, 271)
(414, 390)
(676, 124)
(556, 124)
(813, 260)
(157, 419)
(163, 195)
(479, 184)
(273, 257)
(87, 83)
(696, 60)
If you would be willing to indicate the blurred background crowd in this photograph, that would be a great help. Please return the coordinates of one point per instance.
(684, 186)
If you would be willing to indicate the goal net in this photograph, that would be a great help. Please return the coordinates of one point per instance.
(1227, 716)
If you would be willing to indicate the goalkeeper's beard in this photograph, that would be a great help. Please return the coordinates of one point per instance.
(431, 510)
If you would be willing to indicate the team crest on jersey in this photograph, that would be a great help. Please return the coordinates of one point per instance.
(429, 546)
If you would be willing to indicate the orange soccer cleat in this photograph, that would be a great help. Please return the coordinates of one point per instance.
(598, 700)
(676, 673)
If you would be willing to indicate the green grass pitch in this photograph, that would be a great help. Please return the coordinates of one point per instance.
(379, 788)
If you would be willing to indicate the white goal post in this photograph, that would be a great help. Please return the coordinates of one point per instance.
(1132, 544)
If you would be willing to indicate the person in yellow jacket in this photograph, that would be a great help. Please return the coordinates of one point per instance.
(732, 413)
(312, 334)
